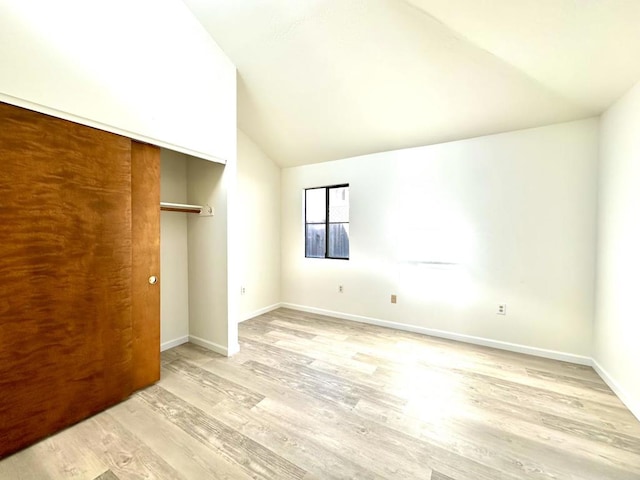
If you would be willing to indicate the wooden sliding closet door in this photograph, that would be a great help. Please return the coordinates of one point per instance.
(66, 331)
(145, 202)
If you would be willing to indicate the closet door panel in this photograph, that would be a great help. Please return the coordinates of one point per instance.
(65, 274)
(145, 207)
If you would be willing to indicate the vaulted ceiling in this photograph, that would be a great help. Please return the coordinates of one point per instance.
(320, 80)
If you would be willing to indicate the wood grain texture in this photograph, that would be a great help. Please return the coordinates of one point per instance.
(124, 454)
(65, 288)
(439, 476)
(258, 460)
(186, 454)
(312, 397)
(145, 231)
(108, 475)
(66, 455)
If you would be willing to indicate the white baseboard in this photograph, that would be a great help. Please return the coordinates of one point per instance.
(512, 347)
(174, 343)
(260, 311)
(214, 347)
(232, 350)
(633, 406)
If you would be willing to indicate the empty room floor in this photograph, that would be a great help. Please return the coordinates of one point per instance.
(312, 397)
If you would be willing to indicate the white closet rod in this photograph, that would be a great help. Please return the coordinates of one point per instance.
(202, 210)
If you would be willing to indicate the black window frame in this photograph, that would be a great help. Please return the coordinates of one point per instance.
(326, 222)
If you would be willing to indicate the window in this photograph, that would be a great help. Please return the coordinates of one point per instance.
(326, 209)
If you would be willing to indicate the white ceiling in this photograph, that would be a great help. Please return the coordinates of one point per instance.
(321, 80)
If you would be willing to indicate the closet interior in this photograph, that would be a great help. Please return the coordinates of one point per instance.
(193, 245)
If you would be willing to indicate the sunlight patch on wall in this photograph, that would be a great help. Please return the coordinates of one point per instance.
(434, 250)
(444, 284)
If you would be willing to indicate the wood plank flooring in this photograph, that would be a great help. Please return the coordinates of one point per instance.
(311, 397)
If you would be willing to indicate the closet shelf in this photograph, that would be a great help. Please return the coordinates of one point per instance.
(202, 210)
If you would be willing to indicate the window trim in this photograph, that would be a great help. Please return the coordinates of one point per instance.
(326, 222)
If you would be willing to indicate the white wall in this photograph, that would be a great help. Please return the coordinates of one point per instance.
(516, 211)
(617, 325)
(213, 286)
(258, 229)
(146, 69)
(174, 270)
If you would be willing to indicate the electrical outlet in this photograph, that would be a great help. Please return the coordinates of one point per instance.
(340, 289)
(243, 290)
(394, 299)
(502, 309)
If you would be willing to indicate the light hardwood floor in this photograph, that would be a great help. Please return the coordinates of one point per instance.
(311, 397)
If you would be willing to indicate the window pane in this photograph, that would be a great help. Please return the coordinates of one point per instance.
(339, 204)
(316, 205)
(315, 241)
(339, 240)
